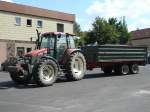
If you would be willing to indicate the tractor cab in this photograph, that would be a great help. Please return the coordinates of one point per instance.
(56, 43)
(55, 53)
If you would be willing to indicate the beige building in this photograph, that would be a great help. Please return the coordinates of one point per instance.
(18, 24)
(141, 37)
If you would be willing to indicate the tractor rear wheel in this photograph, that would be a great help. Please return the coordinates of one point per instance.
(45, 73)
(76, 66)
(21, 77)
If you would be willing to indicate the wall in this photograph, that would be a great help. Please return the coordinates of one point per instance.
(143, 42)
(3, 51)
(10, 31)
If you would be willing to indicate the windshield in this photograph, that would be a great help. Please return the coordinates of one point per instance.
(47, 42)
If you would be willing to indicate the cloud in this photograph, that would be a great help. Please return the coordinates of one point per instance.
(7, 0)
(133, 10)
(118, 8)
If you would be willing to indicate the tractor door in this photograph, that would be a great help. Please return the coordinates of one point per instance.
(61, 46)
(48, 42)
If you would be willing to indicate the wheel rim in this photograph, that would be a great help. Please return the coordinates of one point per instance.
(78, 66)
(135, 68)
(23, 74)
(125, 69)
(47, 72)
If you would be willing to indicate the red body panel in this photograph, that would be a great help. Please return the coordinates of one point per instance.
(37, 52)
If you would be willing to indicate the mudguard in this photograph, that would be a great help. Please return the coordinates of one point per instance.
(67, 54)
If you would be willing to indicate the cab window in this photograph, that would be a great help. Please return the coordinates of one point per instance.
(72, 43)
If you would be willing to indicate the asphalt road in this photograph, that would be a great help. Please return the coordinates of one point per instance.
(96, 93)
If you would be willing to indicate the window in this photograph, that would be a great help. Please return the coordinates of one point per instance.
(20, 51)
(47, 42)
(72, 42)
(17, 21)
(61, 46)
(29, 49)
(39, 24)
(60, 27)
(29, 22)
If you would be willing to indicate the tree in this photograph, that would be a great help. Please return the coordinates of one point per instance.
(124, 34)
(77, 29)
(109, 31)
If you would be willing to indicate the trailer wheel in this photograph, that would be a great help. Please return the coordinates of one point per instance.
(107, 70)
(45, 73)
(122, 69)
(20, 77)
(134, 68)
(76, 67)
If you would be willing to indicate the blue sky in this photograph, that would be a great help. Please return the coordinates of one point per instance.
(136, 12)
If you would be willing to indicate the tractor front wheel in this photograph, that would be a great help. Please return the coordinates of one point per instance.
(76, 66)
(45, 73)
(21, 77)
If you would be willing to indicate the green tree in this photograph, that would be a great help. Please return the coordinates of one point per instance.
(78, 33)
(109, 31)
(124, 34)
(77, 29)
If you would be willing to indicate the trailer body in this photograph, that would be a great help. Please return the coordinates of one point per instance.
(114, 55)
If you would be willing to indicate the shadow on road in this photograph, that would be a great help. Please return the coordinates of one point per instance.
(10, 84)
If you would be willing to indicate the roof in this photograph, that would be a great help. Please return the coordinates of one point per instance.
(140, 34)
(34, 11)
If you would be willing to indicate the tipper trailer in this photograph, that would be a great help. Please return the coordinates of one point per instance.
(122, 59)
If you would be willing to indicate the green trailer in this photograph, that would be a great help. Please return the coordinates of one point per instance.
(121, 59)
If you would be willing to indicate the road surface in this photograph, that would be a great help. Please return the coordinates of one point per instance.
(95, 93)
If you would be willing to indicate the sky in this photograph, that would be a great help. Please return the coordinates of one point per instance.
(136, 12)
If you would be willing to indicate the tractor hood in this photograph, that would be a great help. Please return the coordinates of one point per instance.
(37, 52)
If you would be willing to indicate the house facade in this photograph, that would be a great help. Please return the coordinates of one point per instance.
(18, 24)
(141, 37)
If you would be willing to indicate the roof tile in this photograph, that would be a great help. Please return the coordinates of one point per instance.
(140, 34)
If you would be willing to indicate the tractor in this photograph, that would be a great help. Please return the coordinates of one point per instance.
(55, 53)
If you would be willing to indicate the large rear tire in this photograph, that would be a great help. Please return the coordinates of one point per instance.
(45, 73)
(76, 67)
(134, 69)
(21, 77)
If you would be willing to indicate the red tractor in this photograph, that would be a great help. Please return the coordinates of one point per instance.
(55, 53)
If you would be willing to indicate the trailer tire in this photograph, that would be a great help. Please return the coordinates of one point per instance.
(122, 69)
(45, 73)
(76, 67)
(20, 78)
(134, 69)
(107, 70)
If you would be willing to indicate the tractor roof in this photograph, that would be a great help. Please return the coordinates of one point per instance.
(57, 33)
